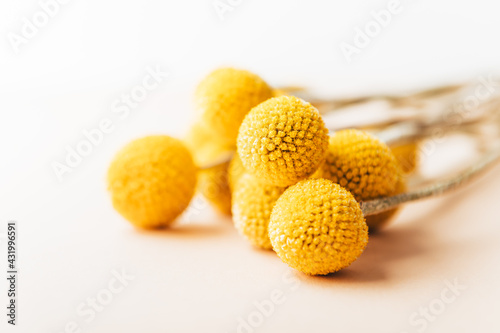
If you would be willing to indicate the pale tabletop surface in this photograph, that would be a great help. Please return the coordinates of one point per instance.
(441, 254)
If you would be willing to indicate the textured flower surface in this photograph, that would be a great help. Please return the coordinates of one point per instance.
(212, 182)
(152, 181)
(225, 96)
(236, 171)
(282, 140)
(213, 185)
(362, 164)
(252, 206)
(317, 227)
(366, 167)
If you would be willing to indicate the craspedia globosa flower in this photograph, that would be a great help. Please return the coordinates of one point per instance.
(253, 203)
(225, 96)
(152, 181)
(235, 171)
(282, 140)
(214, 186)
(317, 227)
(212, 182)
(364, 165)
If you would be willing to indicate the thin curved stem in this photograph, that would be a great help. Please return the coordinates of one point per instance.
(325, 106)
(383, 204)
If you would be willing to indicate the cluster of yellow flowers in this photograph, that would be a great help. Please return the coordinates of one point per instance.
(290, 186)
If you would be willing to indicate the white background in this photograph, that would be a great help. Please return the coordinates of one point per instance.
(65, 79)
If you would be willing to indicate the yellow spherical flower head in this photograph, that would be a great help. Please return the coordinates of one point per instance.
(363, 165)
(282, 140)
(317, 227)
(236, 171)
(152, 180)
(225, 96)
(252, 206)
(407, 156)
(212, 182)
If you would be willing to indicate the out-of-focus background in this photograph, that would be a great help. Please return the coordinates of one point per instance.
(67, 66)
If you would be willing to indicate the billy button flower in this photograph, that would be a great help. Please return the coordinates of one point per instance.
(282, 141)
(236, 171)
(365, 166)
(152, 180)
(224, 97)
(317, 227)
(213, 185)
(212, 181)
(252, 206)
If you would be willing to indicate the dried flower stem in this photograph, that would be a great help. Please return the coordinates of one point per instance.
(415, 99)
(383, 204)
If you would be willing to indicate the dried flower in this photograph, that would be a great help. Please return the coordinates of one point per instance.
(252, 206)
(364, 165)
(282, 140)
(236, 171)
(317, 227)
(224, 97)
(212, 182)
(152, 181)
